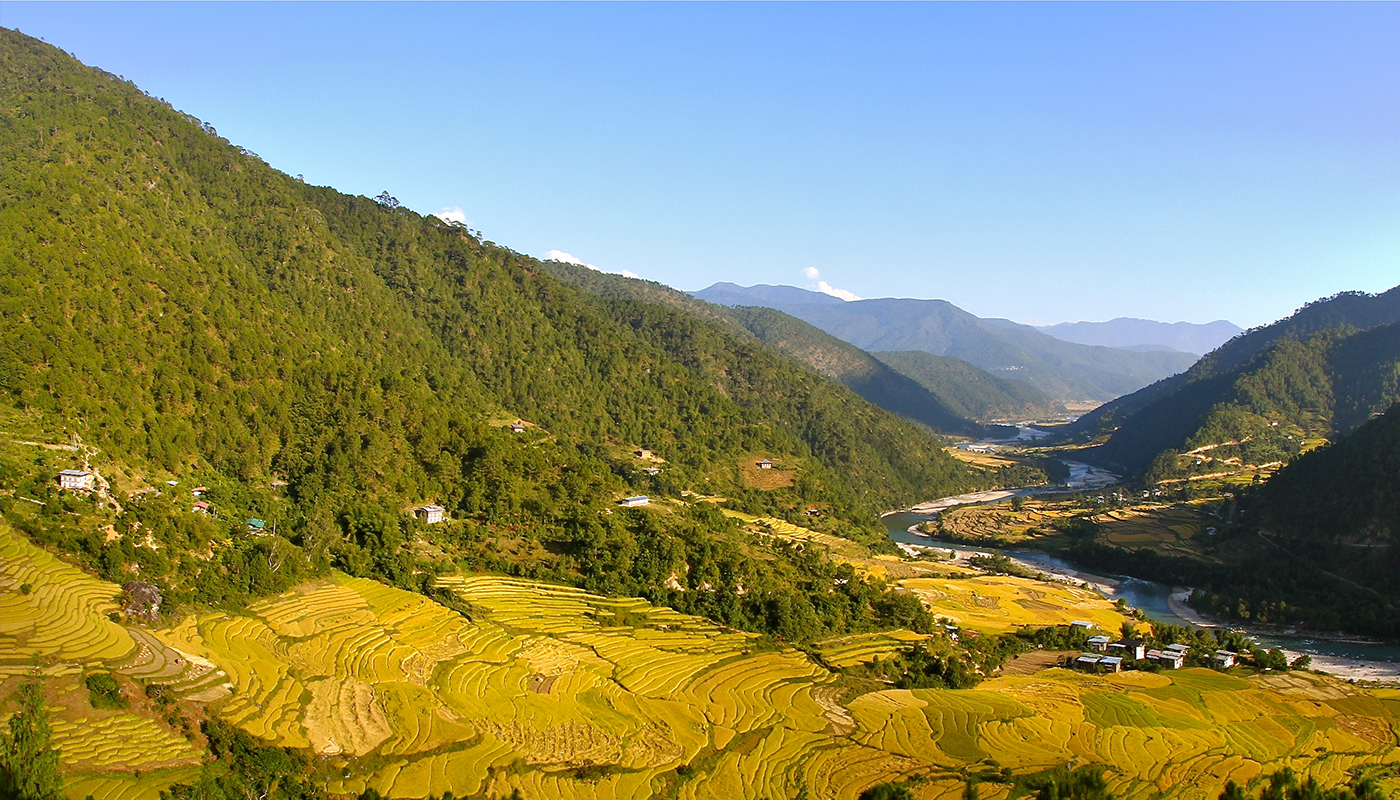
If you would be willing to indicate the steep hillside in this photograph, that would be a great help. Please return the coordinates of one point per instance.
(841, 361)
(1128, 332)
(969, 391)
(1065, 371)
(1344, 497)
(192, 315)
(1314, 381)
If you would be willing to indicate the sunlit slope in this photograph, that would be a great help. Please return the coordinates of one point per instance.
(55, 615)
(564, 694)
(559, 693)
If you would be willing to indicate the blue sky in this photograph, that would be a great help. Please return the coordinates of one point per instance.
(1043, 162)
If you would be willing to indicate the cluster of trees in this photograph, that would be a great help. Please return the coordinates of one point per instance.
(1285, 785)
(28, 762)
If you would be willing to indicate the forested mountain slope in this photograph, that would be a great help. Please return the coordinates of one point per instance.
(197, 316)
(863, 373)
(1065, 371)
(1344, 497)
(970, 391)
(1318, 374)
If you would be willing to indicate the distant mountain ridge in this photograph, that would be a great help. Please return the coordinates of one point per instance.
(1065, 371)
(957, 403)
(1133, 333)
(1320, 372)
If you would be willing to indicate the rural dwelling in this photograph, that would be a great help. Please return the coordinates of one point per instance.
(1225, 659)
(256, 526)
(1171, 659)
(430, 514)
(642, 453)
(1099, 643)
(1111, 664)
(652, 470)
(1088, 661)
(1078, 623)
(74, 479)
(1180, 649)
(201, 507)
(630, 502)
(198, 491)
(1135, 651)
(517, 427)
(764, 464)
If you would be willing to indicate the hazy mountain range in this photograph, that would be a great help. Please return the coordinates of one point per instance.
(1067, 372)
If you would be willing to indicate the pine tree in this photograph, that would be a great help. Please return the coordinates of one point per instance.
(28, 762)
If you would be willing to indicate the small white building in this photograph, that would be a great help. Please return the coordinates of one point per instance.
(1136, 650)
(1225, 659)
(1111, 663)
(1099, 643)
(631, 502)
(1171, 659)
(652, 470)
(764, 464)
(74, 479)
(517, 427)
(1076, 624)
(430, 514)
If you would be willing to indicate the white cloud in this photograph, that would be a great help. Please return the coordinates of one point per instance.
(561, 256)
(566, 258)
(452, 214)
(814, 274)
(826, 288)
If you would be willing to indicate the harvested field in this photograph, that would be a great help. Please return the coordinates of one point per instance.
(999, 603)
(536, 693)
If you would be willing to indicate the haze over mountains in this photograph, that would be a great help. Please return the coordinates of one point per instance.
(1127, 332)
(1065, 371)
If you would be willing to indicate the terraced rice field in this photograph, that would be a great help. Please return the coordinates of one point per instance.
(887, 567)
(861, 648)
(63, 621)
(1172, 531)
(999, 603)
(998, 522)
(542, 690)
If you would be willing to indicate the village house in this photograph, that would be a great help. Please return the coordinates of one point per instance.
(631, 502)
(430, 514)
(198, 491)
(652, 470)
(75, 479)
(1111, 664)
(1171, 659)
(1136, 650)
(764, 464)
(1099, 643)
(1225, 659)
(256, 526)
(1075, 624)
(517, 427)
(642, 453)
(1088, 661)
(201, 507)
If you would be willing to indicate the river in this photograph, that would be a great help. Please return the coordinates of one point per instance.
(1352, 659)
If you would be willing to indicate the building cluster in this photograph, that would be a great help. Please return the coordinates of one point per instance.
(1106, 655)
